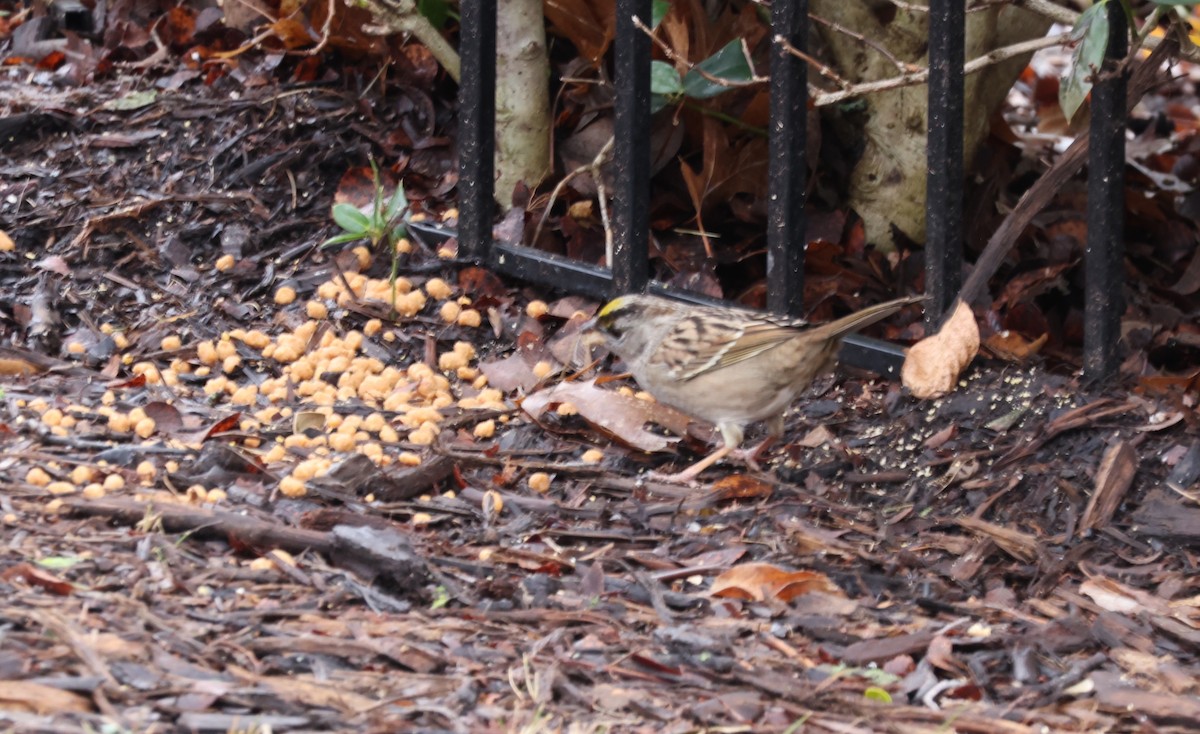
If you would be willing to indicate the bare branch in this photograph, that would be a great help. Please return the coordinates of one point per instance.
(821, 98)
(719, 81)
(879, 47)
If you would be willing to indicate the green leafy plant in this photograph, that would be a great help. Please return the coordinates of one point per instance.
(385, 223)
(386, 220)
(1091, 36)
(668, 86)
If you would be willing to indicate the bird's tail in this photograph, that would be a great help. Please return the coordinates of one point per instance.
(862, 319)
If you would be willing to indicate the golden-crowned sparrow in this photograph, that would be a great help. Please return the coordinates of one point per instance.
(725, 365)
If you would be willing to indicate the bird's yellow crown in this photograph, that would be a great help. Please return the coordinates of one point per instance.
(612, 306)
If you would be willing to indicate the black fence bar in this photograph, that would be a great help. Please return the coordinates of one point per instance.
(944, 185)
(630, 256)
(788, 167)
(1102, 269)
(537, 266)
(477, 128)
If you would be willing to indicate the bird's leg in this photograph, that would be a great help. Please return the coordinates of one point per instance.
(751, 456)
(688, 475)
(732, 436)
(774, 432)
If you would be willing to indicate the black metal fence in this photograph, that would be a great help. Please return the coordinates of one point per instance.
(630, 267)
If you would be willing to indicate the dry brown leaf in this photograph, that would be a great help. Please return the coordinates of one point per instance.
(741, 487)
(1012, 347)
(16, 695)
(761, 581)
(621, 416)
(586, 23)
(514, 372)
(292, 33)
(38, 577)
(934, 363)
(11, 367)
(313, 693)
(816, 438)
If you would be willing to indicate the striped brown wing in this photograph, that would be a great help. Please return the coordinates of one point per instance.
(711, 339)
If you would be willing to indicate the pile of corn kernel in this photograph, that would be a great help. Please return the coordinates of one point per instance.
(417, 395)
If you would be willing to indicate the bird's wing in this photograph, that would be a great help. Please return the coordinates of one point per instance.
(698, 344)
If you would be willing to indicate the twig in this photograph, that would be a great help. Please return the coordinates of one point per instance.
(821, 99)
(879, 47)
(910, 7)
(720, 81)
(1047, 9)
(594, 168)
(325, 34)
(821, 68)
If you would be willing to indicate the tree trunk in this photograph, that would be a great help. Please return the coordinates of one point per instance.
(887, 188)
(523, 113)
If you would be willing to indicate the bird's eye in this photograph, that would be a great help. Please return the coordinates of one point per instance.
(611, 326)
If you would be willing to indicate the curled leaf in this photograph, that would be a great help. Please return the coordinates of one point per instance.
(934, 363)
(761, 581)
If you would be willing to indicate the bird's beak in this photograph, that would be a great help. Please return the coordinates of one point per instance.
(588, 335)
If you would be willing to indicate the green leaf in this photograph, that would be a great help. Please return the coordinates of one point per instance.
(728, 63)
(397, 204)
(437, 11)
(377, 208)
(398, 231)
(342, 239)
(441, 598)
(874, 693)
(664, 79)
(59, 563)
(1091, 32)
(659, 10)
(878, 676)
(351, 218)
(132, 101)
(1175, 2)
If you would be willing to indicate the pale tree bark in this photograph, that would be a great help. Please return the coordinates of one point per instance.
(887, 188)
(523, 115)
(522, 98)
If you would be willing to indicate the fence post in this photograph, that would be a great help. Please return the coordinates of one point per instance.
(1102, 269)
(630, 258)
(788, 167)
(477, 128)
(944, 185)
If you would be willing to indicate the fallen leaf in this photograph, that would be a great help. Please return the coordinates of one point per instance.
(16, 695)
(761, 581)
(816, 438)
(1113, 480)
(741, 487)
(933, 364)
(621, 416)
(38, 577)
(1012, 347)
(17, 367)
